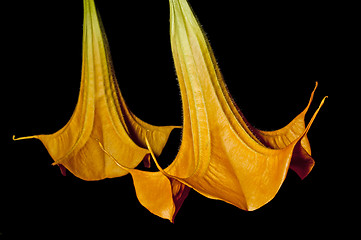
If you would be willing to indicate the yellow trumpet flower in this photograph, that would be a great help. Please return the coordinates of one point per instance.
(101, 113)
(221, 156)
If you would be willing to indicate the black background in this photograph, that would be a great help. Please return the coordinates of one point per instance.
(270, 54)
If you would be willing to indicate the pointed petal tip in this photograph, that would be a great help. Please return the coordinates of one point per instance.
(23, 138)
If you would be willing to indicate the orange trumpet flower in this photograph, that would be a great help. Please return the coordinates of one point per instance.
(101, 113)
(221, 156)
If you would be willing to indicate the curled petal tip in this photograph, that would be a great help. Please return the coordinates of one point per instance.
(323, 101)
(23, 138)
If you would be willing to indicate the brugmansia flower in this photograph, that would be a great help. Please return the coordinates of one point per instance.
(101, 113)
(221, 155)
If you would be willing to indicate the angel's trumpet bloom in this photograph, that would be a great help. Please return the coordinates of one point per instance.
(221, 156)
(101, 113)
